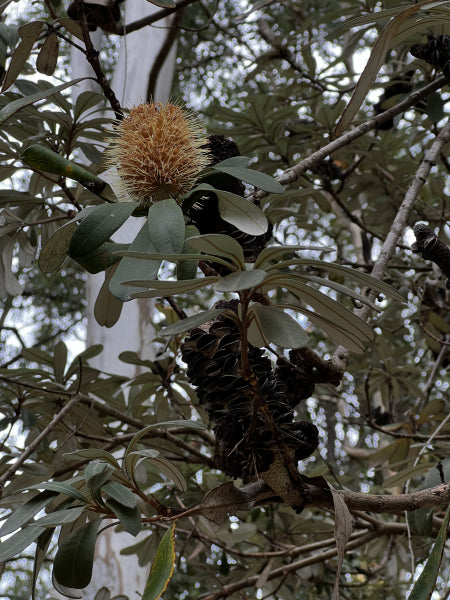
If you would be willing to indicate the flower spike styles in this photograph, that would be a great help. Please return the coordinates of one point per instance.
(158, 151)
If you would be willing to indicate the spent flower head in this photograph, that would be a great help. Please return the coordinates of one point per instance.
(158, 152)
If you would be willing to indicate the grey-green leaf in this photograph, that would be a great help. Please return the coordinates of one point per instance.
(259, 180)
(241, 280)
(59, 517)
(74, 559)
(220, 245)
(276, 327)
(191, 322)
(97, 473)
(140, 269)
(166, 225)
(241, 213)
(98, 226)
(130, 518)
(26, 512)
(18, 542)
(120, 493)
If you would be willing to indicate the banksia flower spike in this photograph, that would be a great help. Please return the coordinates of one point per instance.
(158, 151)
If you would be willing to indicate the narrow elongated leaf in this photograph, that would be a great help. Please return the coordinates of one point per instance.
(327, 308)
(140, 269)
(98, 226)
(384, 42)
(162, 567)
(26, 512)
(276, 252)
(191, 322)
(73, 561)
(362, 278)
(342, 289)
(163, 3)
(20, 56)
(241, 213)
(159, 289)
(169, 470)
(10, 109)
(15, 544)
(242, 280)
(120, 493)
(95, 454)
(274, 326)
(259, 180)
(59, 517)
(61, 488)
(130, 518)
(339, 335)
(166, 226)
(142, 432)
(424, 586)
(175, 258)
(42, 545)
(188, 269)
(342, 533)
(220, 245)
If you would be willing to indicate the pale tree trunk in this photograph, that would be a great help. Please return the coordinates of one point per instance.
(138, 51)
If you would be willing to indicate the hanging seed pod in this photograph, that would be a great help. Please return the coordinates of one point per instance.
(251, 416)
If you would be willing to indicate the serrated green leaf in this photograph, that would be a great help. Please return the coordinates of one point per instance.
(60, 517)
(424, 586)
(219, 245)
(74, 559)
(96, 474)
(242, 280)
(162, 567)
(15, 544)
(273, 326)
(259, 180)
(130, 518)
(26, 512)
(120, 493)
(191, 322)
(101, 222)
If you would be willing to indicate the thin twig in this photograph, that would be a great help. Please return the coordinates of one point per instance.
(40, 438)
(293, 173)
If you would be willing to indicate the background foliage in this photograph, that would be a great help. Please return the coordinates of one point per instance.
(276, 77)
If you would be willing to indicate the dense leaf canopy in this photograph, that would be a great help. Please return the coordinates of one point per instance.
(289, 438)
